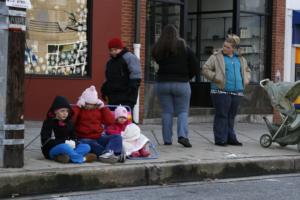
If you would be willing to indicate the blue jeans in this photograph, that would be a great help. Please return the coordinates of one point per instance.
(226, 107)
(76, 155)
(174, 99)
(104, 144)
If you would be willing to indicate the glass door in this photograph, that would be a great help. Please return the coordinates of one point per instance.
(159, 14)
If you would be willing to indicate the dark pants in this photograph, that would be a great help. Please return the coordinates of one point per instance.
(226, 107)
(104, 144)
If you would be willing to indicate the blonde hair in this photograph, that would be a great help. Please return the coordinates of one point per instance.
(233, 39)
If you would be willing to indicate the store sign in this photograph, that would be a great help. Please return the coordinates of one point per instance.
(19, 3)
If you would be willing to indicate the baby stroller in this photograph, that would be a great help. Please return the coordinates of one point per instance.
(282, 96)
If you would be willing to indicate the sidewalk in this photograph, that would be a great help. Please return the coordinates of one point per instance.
(175, 163)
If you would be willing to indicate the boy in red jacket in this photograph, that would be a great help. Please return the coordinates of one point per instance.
(89, 117)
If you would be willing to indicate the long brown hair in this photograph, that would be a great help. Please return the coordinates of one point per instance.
(169, 43)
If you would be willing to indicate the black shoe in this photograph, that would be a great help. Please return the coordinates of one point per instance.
(62, 158)
(167, 143)
(122, 157)
(222, 144)
(184, 141)
(235, 143)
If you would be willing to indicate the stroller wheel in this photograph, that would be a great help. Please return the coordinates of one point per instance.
(265, 140)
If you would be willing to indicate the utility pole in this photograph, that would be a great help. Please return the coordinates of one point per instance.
(12, 46)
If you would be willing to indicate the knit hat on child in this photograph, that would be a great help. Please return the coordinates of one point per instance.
(133, 139)
(90, 95)
(121, 111)
(115, 43)
(58, 103)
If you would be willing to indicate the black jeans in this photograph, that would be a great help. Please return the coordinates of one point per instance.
(226, 107)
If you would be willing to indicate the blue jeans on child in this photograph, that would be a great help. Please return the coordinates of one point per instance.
(174, 99)
(226, 107)
(104, 144)
(76, 155)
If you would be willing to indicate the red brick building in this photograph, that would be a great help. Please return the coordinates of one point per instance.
(203, 23)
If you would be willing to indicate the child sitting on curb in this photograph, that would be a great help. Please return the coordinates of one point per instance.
(58, 138)
(90, 115)
(134, 143)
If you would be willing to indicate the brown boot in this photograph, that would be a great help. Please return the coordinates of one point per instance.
(62, 158)
(90, 157)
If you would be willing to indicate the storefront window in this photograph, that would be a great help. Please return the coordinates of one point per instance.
(216, 5)
(252, 34)
(208, 28)
(208, 23)
(211, 38)
(159, 15)
(56, 39)
(253, 5)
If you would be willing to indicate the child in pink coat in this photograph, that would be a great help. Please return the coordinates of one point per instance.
(134, 143)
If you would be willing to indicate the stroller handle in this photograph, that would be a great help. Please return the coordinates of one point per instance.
(263, 82)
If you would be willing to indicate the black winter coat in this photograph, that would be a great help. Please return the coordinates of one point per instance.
(123, 76)
(178, 68)
(53, 131)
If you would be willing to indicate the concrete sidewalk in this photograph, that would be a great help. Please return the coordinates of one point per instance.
(175, 163)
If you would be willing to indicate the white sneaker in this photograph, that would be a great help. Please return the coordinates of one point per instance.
(108, 157)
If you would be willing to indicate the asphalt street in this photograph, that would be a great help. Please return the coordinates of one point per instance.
(277, 187)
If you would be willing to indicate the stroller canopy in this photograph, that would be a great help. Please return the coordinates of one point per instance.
(282, 95)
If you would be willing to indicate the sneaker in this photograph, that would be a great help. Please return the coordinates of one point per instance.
(144, 153)
(108, 157)
(184, 141)
(62, 158)
(90, 157)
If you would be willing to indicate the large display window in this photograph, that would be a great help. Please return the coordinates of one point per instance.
(57, 38)
(214, 20)
(206, 25)
(160, 13)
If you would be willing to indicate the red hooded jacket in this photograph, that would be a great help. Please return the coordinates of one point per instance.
(89, 123)
(116, 128)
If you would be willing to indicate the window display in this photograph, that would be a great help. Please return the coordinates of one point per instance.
(208, 28)
(159, 15)
(56, 39)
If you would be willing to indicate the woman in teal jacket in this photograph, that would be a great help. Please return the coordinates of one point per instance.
(229, 74)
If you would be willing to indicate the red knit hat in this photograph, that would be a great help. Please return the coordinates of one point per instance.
(115, 43)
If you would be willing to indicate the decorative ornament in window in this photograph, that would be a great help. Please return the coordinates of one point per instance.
(56, 41)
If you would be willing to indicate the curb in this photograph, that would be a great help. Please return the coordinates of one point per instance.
(240, 118)
(89, 178)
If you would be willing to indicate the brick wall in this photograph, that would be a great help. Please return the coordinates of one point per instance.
(128, 33)
(278, 32)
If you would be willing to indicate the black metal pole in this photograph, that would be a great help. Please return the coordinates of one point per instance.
(236, 17)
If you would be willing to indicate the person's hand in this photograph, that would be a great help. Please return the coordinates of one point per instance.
(71, 143)
(217, 81)
(104, 98)
(100, 103)
(247, 82)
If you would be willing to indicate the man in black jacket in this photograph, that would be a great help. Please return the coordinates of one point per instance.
(123, 75)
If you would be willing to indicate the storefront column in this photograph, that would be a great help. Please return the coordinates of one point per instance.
(278, 33)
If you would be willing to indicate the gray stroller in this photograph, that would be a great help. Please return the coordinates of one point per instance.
(282, 96)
